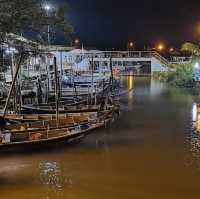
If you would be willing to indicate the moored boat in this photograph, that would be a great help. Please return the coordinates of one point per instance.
(76, 117)
(10, 140)
(48, 132)
(29, 109)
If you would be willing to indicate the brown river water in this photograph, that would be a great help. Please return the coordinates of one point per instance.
(152, 151)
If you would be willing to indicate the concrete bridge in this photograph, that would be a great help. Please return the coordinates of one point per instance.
(142, 62)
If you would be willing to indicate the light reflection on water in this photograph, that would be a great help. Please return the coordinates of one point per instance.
(51, 174)
(130, 80)
(194, 137)
(151, 151)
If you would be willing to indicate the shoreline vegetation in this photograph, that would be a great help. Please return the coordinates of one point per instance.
(179, 75)
(182, 75)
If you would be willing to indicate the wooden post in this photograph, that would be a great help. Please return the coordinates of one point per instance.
(56, 90)
(92, 86)
(12, 86)
(111, 71)
(61, 72)
(48, 78)
(12, 75)
(19, 82)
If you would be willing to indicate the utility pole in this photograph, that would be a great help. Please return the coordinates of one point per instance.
(111, 71)
(92, 69)
(56, 91)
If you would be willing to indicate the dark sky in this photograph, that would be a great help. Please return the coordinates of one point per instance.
(112, 23)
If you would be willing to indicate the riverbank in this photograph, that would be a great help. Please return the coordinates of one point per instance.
(179, 76)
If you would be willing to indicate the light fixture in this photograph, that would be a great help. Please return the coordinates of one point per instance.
(10, 50)
(160, 47)
(47, 7)
(196, 65)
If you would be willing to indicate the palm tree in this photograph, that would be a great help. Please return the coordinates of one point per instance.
(194, 49)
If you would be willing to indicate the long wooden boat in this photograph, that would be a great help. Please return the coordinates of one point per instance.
(74, 117)
(29, 109)
(10, 140)
(50, 132)
(68, 101)
(64, 109)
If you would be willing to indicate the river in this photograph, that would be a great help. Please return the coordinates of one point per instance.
(151, 151)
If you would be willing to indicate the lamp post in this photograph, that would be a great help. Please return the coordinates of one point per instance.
(48, 8)
(130, 46)
(77, 42)
(160, 47)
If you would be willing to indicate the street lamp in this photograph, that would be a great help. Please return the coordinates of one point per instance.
(130, 45)
(47, 8)
(197, 66)
(77, 42)
(160, 47)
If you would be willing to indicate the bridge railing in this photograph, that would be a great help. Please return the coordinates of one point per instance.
(128, 54)
(160, 58)
(121, 54)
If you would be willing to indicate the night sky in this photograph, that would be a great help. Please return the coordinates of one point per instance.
(107, 24)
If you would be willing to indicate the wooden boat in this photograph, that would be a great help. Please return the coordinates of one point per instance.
(10, 140)
(32, 118)
(68, 101)
(48, 132)
(53, 130)
(62, 109)
(76, 117)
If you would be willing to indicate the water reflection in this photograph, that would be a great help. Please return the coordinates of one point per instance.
(195, 119)
(194, 138)
(156, 88)
(130, 82)
(51, 174)
(52, 177)
(153, 149)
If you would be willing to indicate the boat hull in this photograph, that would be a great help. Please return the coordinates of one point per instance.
(55, 143)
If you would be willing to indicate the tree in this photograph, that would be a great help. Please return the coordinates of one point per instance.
(194, 49)
(29, 16)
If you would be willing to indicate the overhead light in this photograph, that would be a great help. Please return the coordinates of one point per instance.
(197, 65)
(47, 7)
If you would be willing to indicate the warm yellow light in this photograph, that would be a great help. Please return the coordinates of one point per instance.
(160, 47)
(130, 82)
(198, 28)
